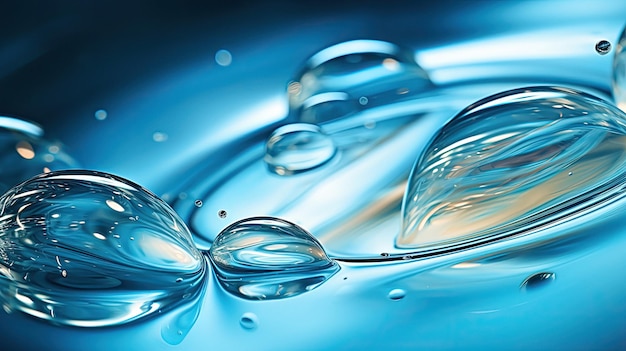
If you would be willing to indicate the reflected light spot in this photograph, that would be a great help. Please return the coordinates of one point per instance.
(391, 64)
(99, 236)
(465, 265)
(115, 206)
(25, 150)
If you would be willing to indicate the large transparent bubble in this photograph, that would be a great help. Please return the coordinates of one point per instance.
(86, 248)
(512, 162)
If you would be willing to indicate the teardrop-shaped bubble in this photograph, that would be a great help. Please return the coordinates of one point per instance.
(26, 154)
(269, 258)
(298, 147)
(352, 76)
(619, 72)
(87, 248)
(511, 162)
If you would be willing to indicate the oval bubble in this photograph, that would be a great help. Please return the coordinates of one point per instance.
(26, 154)
(86, 248)
(269, 258)
(298, 147)
(618, 82)
(352, 76)
(511, 162)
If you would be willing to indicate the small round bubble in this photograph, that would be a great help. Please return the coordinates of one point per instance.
(296, 148)
(603, 47)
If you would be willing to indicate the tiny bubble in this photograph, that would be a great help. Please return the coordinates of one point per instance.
(603, 47)
(64, 273)
(198, 203)
(101, 115)
(222, 213)
(223, 58)
(570, 173)
(363, 100)
(384, 254)
(396, 294)
(159, 137)
(248, 321)
(178, 280)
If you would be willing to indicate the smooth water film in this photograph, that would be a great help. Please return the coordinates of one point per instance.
(86, 248)
(268, 258)
(511, 162)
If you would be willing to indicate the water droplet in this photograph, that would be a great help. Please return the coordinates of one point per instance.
(68, 215)
(570, 173)
(537, 280)
(618, 82)
(101, 115)
(198, 203)
(298, 147)
(527, 142)
(223, 58)
(25, 154)
(603, 47)
(249, 321)
(222, 214)
(396, 294)
(348, 77)
(269, 258)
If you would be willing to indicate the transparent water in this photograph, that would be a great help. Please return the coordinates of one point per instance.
(315, 232)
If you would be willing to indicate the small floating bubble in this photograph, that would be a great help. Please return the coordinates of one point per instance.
(159, 137)
(603, 47)
(198, 203)
(528, 140)
(538, 280)
(348, 77)
(298, 147)
(618, 82)
(396, 294)
(222, 213)
(68, 216)
(101, 115)
(268, 258)
(249, 321)
(223, 58)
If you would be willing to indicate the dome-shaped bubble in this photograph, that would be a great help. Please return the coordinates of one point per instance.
(25, 153)
(87, 248)
(514, 161)
(348, 77)
(619, 72)
(298, 147)
(269, 258)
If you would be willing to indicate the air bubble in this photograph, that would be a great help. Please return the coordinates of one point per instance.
(538, 280)
(603, 47)
(298, 147)
(520, 180)
(249, 321)
(269, 258)
(348, 77)
(64, 215)
(396, 294)
(222, 214)
(198, 203)
(101, 115)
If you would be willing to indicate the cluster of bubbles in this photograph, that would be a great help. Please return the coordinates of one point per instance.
(86, 248)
